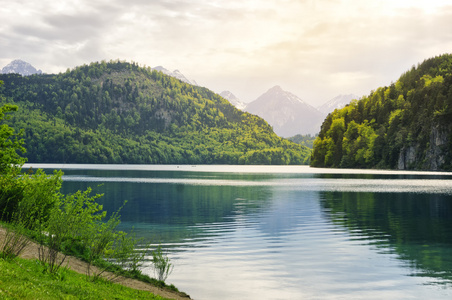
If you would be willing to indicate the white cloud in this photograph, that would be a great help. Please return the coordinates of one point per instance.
(313, 48)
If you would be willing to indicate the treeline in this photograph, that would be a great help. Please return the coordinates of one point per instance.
(405, 125)
(119, 112)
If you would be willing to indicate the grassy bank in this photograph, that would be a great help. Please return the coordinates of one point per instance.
(24, 279)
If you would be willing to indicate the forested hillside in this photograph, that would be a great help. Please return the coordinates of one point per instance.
(118, 112)
(407, 125)
(305, 140)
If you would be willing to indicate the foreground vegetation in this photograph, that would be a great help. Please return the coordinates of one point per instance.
(24, 279)
(117, 112)
(32, 207)
(406, 125)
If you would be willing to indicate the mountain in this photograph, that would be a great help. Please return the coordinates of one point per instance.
(407, 125)
(176, 74)
(233, 99)
(286, 113)
(20, 67)
(117, 112)
(337, 102)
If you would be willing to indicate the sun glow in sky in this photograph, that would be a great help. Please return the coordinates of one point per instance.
(316, 49)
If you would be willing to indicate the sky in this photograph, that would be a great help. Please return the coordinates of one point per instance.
(315, 49)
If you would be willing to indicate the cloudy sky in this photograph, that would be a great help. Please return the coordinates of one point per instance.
(316, 49)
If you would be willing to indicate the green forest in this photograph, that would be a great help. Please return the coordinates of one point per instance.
(304, 140)
(406, 125)
(118, 112)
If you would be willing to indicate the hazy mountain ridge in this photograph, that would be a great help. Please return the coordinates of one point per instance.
(283, 115)
(286, 113)
(20, 67)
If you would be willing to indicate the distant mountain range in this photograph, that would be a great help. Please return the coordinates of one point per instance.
(20, 67)
(288, 114)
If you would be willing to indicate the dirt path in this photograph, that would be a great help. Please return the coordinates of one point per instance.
(31, 252)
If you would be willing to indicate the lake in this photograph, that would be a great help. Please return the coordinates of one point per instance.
(286, 232)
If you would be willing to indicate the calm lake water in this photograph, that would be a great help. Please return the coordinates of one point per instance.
(241, 232)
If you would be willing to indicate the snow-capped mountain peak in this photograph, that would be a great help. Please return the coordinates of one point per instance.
(162, 69)
(20, 67)
(233, 99)
(278, 92)
(176, 74)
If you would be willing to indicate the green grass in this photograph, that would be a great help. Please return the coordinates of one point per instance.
(24, 279)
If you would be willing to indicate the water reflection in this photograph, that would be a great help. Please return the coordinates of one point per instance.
(169, 211)
(288, 235)
(416, 227)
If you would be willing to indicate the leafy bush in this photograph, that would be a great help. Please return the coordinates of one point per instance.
(10, 194)
(10, 142)
(25, 202)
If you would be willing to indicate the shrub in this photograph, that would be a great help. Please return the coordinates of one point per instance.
(162, 265)
(71, 219)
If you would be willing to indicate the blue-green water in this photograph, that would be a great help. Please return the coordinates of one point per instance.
(237, 232)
